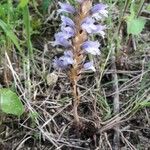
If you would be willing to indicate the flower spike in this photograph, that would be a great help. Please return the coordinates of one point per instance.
(75, 36)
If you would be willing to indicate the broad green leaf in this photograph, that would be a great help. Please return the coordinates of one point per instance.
(23, 3)
(135, 26)
(10, 102)
(8, 31)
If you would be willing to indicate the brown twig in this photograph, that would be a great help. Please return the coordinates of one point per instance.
(116, 139)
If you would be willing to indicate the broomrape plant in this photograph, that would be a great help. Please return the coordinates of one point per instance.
(75, 37)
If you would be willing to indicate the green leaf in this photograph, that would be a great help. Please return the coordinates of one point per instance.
(23, 3)
(27, 27)
(135, 26)
(8, 31)
(132, 10)
(10, 102)
(145, 104)
(45, 4)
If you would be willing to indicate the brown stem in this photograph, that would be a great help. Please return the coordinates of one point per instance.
(75, 111)
(77, 41)
(116, 139)
(75, 103)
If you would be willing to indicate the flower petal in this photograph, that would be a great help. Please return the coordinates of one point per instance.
(56, 63)
(68, 32)
(89, 25)
(68, 53)
(99, 8)
(100, 29)
(89, 66)
(60, 39)
(91, 47)
(63, 62)
(98, 11)
(66, 60)
(66, 21)
(65, 7)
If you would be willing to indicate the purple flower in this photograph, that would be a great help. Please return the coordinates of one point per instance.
(89, 25)
(100, 29)
(61, 39)
(66, 21)
(91, 47)
(64, 61)
(68, 32)
(89, 66)
(65, 7)
(68, 53)
(98, 11)
(99, 8)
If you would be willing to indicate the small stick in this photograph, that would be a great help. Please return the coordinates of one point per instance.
(75, 104)
(116, 139)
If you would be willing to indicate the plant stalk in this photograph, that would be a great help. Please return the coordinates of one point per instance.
(116, 109)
